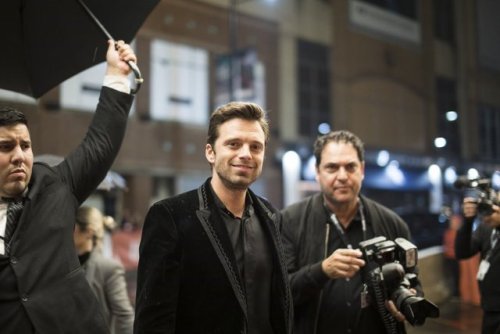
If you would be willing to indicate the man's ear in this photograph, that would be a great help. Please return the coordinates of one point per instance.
(209, 153)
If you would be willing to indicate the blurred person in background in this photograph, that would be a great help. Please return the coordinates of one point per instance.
(483, 240)
(451, 265)
(106, 246)
(321, 236)
(106, 276)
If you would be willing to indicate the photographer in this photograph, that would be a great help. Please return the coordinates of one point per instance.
(483, 240)
(321, 236)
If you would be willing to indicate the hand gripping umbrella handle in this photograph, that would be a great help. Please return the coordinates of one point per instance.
(137, 73)
(138, 77)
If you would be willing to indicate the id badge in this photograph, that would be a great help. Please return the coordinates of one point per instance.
(483, 269)
(365, 297)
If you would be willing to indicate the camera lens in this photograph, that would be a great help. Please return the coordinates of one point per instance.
(415, 309)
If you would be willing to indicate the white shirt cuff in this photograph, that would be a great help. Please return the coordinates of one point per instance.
(117, 82)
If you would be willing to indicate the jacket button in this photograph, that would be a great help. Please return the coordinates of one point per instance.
(13, 260)
(24, 298)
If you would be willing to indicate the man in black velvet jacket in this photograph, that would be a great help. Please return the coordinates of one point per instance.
(211, 258)
(43, 290)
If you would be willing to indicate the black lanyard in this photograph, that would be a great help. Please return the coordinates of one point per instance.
(342, 234)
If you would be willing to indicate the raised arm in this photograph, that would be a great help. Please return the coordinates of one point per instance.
(87, 165)
(465, 244)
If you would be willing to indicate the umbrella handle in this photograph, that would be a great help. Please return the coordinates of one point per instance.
(138, 77)
(137, 73)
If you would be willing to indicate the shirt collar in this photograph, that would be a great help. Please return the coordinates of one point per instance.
(7, 200)
(248, 203)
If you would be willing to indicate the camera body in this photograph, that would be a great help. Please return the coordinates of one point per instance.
(482, 190)
(391, 274)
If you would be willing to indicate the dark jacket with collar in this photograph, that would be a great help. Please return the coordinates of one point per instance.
(469, 243)
(188, 279)
(304, 234)
(42, 281)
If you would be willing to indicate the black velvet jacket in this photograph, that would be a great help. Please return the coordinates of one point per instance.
(188, 280)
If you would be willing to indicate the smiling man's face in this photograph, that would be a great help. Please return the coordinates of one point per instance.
(238, 154)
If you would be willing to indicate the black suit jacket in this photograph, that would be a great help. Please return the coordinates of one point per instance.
(43, 273)
(187, 279)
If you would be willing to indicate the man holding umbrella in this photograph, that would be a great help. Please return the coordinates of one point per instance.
(43, 289)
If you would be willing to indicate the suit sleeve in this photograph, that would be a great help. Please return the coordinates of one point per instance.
(158, 274)
(467, 244)
(86, 166)
(118, 300)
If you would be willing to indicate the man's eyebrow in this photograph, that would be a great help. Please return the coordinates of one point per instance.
(339, 164)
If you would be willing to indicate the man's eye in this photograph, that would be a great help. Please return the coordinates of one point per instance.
(6, 147)
(257, 148)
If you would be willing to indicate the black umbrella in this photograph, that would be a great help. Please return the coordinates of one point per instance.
(45, 42)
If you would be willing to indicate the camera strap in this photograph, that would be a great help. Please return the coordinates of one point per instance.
(341, 231)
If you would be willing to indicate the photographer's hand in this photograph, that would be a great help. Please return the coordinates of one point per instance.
(389, 304)
(493, 220)
(343, 263)
(391, 307)
(469, 207)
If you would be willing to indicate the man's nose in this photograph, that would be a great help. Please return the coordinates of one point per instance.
(245, 152)
(341, 173)
(17, 154)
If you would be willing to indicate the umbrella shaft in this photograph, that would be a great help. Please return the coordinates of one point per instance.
(132, 65)
(96, 20)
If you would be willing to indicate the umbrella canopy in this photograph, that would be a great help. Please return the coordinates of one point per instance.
(45, 42)
(113, 180)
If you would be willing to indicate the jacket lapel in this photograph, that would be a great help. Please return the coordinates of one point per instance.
(217, 234)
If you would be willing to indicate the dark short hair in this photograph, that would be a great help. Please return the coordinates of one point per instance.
(341, 136)
(11, 116)
(244, 110)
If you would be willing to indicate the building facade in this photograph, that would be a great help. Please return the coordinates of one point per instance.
(403, 78)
